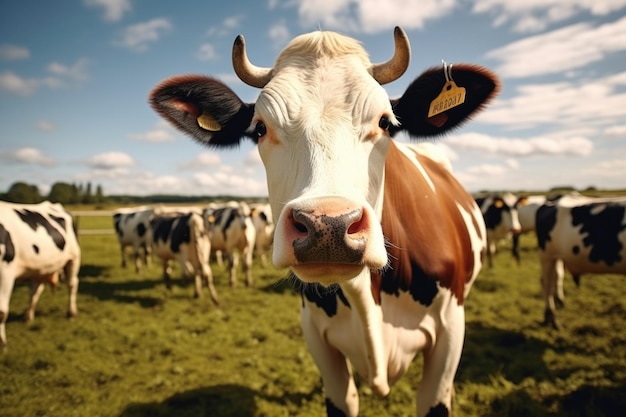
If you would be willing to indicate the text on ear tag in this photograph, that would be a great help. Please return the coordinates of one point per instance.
(207, 122)
(451, 96)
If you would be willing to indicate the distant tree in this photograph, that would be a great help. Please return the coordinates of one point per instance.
(20, 192)
(99, 197)
(87, 197)
(64, 193)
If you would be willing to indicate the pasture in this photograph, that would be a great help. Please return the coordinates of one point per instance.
(137, 350)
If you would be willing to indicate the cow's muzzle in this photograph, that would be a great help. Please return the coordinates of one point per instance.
(329, 239)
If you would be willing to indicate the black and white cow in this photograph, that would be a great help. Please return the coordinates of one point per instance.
(262, 219)
(526, 207)
(181, 236)
(581, 235)
(501, 220)
(232, 233)
(132, 228)
(387, 227)
(37, 243)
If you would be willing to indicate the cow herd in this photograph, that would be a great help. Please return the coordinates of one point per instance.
(575, 233)
(192, 235)
(39, 243)
(385, 240)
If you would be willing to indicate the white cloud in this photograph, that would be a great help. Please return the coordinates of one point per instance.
(518, 147)
(570, 105)
(226, 26)
(203, 160)
(138, 37)
(561, 50)
(76, 73)
(616, 131)
(28, 155)
(110, 160)
(279, 33)
(45, 126)
(153, 136)
(113, 9)
(536, 15)
(61, 76)
(13, 52)
(15, 84)
(371, 16)
(206, 52)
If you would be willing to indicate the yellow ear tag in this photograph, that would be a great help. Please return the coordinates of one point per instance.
(451, 96)
(207, 122)
(498, 204)
(211, 219)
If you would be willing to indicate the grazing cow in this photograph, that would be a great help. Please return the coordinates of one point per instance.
(262, 219)
(182, 236)
(526, 207)
(232, 232)
(132, 227)
(501, 220)
(37, 242)
(390, 232)
(582, 235)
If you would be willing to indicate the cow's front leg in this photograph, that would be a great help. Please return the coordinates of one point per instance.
(342, 398)
(550, 271)
(6, 288)
(441, 361)
(36, 288)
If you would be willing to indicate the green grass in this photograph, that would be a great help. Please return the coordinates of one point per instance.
(137, 350)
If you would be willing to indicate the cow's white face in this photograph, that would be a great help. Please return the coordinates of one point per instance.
(321, 124)
(323, 147)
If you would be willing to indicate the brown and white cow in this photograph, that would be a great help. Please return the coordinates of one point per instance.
(581, 235)
(390, 232)
(37, 243)
(182, 236)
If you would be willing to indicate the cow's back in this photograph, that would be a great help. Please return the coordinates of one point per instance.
(36, 239)
(588, 235)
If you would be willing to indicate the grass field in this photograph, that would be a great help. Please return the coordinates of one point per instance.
(137, 350)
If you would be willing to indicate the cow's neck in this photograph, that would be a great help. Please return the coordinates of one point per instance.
(369, 321)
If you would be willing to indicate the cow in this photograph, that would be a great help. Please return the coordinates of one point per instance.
(582, 235)
(385, 241)
(261, 214)
(38, 242)
(132, 228)
(232, 233)
(182, 236)
(501, 220)
(526, 207)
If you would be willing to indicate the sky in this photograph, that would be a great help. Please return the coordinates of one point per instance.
(75, 76)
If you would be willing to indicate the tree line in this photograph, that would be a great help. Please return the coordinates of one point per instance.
(72, 194)
(60, 192)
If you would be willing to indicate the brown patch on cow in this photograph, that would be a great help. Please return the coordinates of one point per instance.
(424, 227)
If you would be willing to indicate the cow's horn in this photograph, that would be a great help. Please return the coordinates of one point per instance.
(247, 71)
(391, 70)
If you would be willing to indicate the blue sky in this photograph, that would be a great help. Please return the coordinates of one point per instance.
(75, 76)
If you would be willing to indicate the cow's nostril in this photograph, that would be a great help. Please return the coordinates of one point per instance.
(356, 227)
(300, 227)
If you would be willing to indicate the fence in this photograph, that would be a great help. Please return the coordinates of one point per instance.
(93, 213)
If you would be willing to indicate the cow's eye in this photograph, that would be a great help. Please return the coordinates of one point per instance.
(260, 130)
(384, 123)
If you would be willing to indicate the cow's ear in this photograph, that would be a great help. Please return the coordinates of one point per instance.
(427, 95)
(204, 108)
